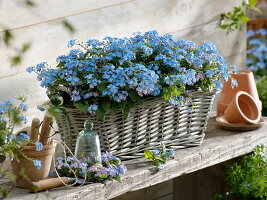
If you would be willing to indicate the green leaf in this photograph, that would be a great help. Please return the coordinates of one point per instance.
(7, 37)
(126, 111)
(244, 19)
(257, 10)
(2, 140)
(57, 100)
(29, 3)
(81, 106)
(132, 95)
(9, 152)
(106, 105)
(117, 178)
(15, 60)
(100, 113)
(149, 155)
(25, 47)
(166, 94)
(68, 26)
(161, 161)
(114, 106)
(60, 65)
(21, 98)
(122, 105)
(252, 2)
(224, 26)
(15, 116)
(2, 158)
(175, 91)
(2, 125)
(101, 87)
(4, 192)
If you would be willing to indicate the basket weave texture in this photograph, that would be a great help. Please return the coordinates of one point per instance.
(154, 122)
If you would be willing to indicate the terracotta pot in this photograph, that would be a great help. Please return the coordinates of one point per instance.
(31, 172)
(242, 109)
(257, 23)
(246, 83)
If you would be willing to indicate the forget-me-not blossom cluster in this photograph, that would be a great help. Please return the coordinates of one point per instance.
(117, 70)
(110, 168)
(257, 51)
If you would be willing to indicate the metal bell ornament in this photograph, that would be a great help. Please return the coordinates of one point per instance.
(88, 145)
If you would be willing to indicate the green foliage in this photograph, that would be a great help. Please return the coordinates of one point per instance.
(262, 90)
(68, 26)
(100, 113)
(247, 178)
(10, 115)
(234, 19)
(7, 37)
(171, 91)
(29, 3)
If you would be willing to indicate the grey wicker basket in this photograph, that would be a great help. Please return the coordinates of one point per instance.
(154, 122)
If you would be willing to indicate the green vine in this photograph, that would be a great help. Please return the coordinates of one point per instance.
(234, 19)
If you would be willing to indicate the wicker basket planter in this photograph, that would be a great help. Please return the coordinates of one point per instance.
(154, 122)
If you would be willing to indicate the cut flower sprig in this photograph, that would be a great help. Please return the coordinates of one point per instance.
(110, 168)
(159, 156)
(118, 73)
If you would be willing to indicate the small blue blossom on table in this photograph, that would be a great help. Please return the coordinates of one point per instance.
(159, 156)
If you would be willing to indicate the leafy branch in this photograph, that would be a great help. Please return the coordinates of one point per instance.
(6, 36)
(234, 19)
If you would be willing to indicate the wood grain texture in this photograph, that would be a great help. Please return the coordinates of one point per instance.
(155, 192)
(203, 184)
(193, 19)
(218, 146)
(49, 39)
(46, 11)
(50, 10)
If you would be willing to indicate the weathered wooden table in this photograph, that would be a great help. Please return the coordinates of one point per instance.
(219, 145)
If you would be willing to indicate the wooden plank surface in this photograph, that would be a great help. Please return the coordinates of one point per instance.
(193, 20)
(218, 146)
(55, 45)
(159, 191)
(49, 39)
(202, 184)
(47, 11)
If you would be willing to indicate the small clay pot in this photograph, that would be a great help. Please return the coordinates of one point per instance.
(242, 109)
(246, 82)
(31, 172)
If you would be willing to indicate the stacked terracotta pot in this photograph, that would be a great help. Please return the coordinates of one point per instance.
(240, 104)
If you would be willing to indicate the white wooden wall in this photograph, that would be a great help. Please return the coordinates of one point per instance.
(195, 20)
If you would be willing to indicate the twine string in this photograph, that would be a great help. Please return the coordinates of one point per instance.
(63, 145)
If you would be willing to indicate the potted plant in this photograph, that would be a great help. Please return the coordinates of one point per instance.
(155, 78)
(246, 178)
